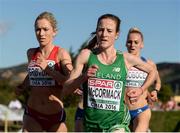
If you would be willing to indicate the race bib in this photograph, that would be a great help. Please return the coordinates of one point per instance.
(135, 78)
(104, 94)
(38, 77)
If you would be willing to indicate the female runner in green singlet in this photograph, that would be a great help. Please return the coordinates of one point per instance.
(105, 110)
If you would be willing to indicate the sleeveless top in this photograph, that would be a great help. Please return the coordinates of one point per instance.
(37, 76)
(135, 77)
(104, 94)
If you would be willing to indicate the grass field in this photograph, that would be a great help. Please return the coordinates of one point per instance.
(165, 121)
(160, 121)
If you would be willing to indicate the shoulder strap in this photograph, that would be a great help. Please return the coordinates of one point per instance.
(54, 52)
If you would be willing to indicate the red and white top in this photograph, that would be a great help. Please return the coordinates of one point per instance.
(37, 76)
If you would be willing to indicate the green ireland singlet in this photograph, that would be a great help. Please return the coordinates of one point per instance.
(104, 96)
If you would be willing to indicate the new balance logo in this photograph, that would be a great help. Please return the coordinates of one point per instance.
(116, 69)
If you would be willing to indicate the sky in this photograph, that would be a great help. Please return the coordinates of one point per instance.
(159, 20)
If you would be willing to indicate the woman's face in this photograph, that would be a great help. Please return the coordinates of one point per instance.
(134, 43)
(106, 33)
(44, 32)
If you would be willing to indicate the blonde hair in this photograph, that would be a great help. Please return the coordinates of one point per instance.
(48, 16)
(135, 30)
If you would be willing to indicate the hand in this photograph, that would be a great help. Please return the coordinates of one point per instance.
(153, 95)
(133, 100)
(91, 72)
(41, 61)
(54, 98)
(78, 92)
(149, 100)
(134, 95)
